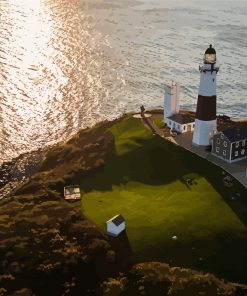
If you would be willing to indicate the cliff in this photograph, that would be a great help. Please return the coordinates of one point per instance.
(49, 247)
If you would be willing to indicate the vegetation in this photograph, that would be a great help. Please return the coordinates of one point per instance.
(159, 122)
(49, 247)
(164, 191)
(160, 279)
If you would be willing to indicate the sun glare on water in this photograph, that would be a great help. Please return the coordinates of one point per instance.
(47, 72)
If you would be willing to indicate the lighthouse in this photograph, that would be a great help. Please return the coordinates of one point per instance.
(205, 122)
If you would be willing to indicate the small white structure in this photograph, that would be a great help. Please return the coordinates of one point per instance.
(72, 193)
(115, 225)
(181, 123)
(171, 100)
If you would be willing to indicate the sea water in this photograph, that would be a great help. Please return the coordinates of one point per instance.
(66, 64)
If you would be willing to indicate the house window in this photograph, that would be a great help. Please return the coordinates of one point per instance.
(184, 127)
(243, 143)
(222, 136)
(242, 151)
(237, 144)
(225, 144)
(224, 152)
(193, 125)
(218, 141)
(236, 153)
(217, 149)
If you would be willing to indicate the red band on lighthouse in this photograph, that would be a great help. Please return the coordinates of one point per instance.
(206, 108)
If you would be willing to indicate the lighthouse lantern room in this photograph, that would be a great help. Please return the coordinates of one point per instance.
(205, 122)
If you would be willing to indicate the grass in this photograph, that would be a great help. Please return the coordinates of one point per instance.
(145, 180)
(159, 122)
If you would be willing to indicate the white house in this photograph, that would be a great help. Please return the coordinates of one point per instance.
(72, 193)
(115, 225)
(178, 122)
(181, 123)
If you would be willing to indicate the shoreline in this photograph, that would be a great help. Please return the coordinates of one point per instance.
(17, 171)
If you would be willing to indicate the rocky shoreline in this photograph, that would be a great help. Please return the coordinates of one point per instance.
(16, 172)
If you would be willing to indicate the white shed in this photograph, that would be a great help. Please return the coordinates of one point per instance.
(115, 225)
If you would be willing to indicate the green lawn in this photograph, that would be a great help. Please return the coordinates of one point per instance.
(145, 180)
(159, 122)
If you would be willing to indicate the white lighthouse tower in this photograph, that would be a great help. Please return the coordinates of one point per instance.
(205, 123)
(171, 100)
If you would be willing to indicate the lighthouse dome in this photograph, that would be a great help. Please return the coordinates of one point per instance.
(210, 55)
(210, 50)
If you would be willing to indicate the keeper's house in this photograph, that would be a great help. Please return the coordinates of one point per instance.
(181, 123)
(231, 144)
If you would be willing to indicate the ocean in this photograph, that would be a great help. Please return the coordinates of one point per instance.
(66, 64)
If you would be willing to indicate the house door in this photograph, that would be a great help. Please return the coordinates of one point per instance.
(189, 128)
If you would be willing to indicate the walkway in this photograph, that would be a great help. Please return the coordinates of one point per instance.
(148, 121)
(237, 169)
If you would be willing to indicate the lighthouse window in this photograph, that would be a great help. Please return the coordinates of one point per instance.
(225, 144)
(237, 144)
(213, 79)
(236, 153)
(243, 143)
(222, 136)
(242, 151)
(217, 149)
(218, 140)
(224, 152)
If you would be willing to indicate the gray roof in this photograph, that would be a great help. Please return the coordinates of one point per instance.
(181, 118)
(117, 220)
(236, 134)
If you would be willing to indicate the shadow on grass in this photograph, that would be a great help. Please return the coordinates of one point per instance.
(235, 196)
(152, 162)
(208, 255)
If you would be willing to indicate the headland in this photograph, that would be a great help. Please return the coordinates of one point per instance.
(163, 191)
